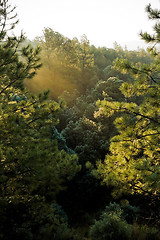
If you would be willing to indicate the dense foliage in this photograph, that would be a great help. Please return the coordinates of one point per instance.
(134, 157)
(67, 64)
(33, 170)
(80, 161)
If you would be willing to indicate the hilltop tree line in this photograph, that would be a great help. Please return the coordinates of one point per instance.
(79, 137)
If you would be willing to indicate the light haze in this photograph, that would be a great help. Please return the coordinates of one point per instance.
(103, 21)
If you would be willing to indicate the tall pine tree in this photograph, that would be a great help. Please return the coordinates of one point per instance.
(133, 163)
(32, 169)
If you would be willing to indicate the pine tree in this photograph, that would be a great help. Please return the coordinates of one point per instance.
(32, 169)
(133, 163)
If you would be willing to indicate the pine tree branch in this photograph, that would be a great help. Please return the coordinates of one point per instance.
(143, 116)
(137, 137)
(9, 85)
(135, 113)
(145, 72)
(152, 14)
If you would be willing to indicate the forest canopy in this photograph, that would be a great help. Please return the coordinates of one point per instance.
(79, 136)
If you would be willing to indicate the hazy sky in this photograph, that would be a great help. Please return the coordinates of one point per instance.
(103, 21)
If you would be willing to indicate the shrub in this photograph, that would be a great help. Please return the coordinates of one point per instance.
(111, 226)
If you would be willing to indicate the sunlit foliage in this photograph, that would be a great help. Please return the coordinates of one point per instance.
(67, 64)
(133, 164)
(32, 169)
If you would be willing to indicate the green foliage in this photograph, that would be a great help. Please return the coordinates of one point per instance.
(111, 226)
(153, 14)
(89, 138)
(61, 141)
(33, 170)
(104, 58)
(43, 189)
(133, 164)
(86, 135)
(68, 65)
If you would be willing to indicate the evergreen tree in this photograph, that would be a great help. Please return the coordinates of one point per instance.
(32, 169)
(68, 65)
(133, 163)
